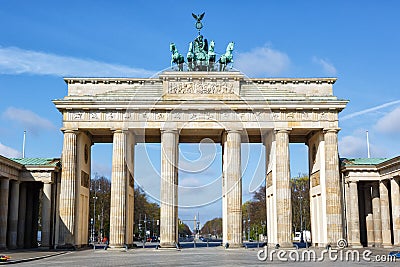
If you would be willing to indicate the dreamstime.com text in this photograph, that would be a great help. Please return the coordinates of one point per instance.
(344, 255)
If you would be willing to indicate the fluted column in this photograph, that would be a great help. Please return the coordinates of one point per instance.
(21, 215)
(233, 189)
(369, 219)
(332, 187)
(4, 191)
(13, 216)
(376, 214)
(354, 221)
(169, 188)
(385, 213)
(118, 190)
(395, 193)
(46, 215)
(283, 190)
(68, 188)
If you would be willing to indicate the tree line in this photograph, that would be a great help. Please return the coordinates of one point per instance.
(147, 213)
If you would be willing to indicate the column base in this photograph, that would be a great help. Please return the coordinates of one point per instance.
(117, 246)
(284, 245)
(233, 245)
(169, 245)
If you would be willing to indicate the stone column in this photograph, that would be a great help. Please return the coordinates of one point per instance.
(224, 191)
(46, 215)
(29, 216)
(369, 219)
(4, 191)
(68, 188)
(283, 190)
(118, 191)
(21, 215)
(395, 193)
(376, 214)
(332, 187)
(354, 221)
(169, 188)
(13, 216)
(233, 189)
(385, 213)
(35, 216)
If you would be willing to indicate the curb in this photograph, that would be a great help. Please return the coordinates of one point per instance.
(33, 258)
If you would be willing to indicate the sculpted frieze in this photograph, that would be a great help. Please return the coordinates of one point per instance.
(198, 87)
(208, 115)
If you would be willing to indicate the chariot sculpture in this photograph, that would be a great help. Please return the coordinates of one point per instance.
(201, 55)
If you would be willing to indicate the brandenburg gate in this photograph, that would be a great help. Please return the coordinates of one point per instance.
(187, 106)
(201, 98)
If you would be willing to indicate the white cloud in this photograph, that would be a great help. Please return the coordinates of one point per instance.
(14, 60)
(368, 110)
(9, 152)
(390, 123)
(353, 147)
(28, 119)
(327, 67)
(262, 61)
(190, 182)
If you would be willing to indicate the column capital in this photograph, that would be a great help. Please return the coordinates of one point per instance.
(331, 130)
(169, 130)
(234, 130)
(65, 130)
(119, 130)
(282, 130)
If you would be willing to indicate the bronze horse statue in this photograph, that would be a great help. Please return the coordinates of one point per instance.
(176, 58)
(226, 58)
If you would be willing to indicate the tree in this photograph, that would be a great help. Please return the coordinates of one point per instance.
(100, 192)
(145, 211)
(254, 214)
(213, 227)
(300, 187)
(183, 229)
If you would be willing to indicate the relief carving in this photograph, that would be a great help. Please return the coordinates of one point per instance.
(315, 179)
(200, 88)
(85, 181)
(78, 116)
(109, 116)
(94, 116)
(269, 179)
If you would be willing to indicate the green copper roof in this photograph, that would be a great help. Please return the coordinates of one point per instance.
(50, 162)
(362, 161)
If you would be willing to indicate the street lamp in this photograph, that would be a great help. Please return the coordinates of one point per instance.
(301, 219)
(248, 228)
(94, 211)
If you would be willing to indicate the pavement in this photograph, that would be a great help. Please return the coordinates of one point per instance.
(199, 255)
(27, 255)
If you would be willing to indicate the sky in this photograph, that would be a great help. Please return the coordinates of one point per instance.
(43, 41)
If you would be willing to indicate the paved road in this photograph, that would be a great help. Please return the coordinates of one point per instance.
(199, 256)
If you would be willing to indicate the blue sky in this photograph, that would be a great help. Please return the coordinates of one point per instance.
(43, 41)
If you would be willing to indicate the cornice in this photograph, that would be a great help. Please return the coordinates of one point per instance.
(198, 75)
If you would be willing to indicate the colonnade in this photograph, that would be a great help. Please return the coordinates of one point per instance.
(279, 216)
(373, 212)
(19, 213)
(121, 216)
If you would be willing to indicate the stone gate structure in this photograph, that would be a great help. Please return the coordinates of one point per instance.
(187, 106)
